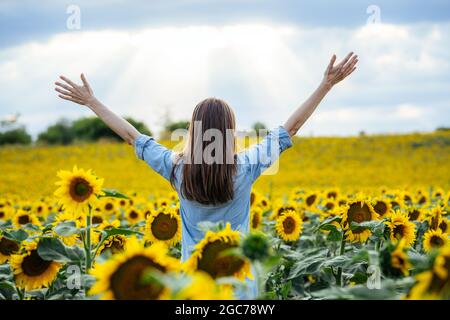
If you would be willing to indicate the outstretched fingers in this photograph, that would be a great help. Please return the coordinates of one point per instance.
(71, 98)
(68, 81)
(349, 65)
(85, 83)
(331, 64)
(67, 93)
(345, 60)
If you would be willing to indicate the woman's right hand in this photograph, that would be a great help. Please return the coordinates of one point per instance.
(79, 94)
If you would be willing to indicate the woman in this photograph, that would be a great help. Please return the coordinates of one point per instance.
(212, 180)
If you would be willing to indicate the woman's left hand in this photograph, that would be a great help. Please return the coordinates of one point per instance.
(336, 73)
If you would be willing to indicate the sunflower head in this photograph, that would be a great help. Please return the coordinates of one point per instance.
(382, 207)
(163, 225)
(357, 210)
(78, 189)
(435, 239)
(281, 208)
(401, 228)
(400, 260)
(289, 226)
(434, 284)
(6, 212)
(30, 270)
(256, 218)
(22, 217)
(123, 276)
(8, 247)
(215, 254)
(134, 214)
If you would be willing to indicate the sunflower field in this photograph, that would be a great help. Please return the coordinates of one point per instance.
(344, 218)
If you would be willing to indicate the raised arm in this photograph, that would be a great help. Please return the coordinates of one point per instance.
(85, 96)
(333, 75)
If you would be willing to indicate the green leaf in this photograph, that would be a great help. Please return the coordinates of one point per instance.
(66, 228)
(16, 235)
(334, 235)
(113, 194)
(328, 222)
(375, 226)
(54, 249)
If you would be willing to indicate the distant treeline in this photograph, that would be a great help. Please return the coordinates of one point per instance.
(65, 132)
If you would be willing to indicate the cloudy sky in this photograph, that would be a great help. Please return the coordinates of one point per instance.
(150, 59)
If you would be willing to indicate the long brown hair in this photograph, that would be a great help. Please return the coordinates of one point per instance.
(209, 182)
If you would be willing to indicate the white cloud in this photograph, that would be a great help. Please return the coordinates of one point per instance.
(263, 70)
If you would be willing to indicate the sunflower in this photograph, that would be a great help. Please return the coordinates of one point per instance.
(97, 218)
(280, 208)
(23, 217)
(203, 287)
(400, 260)
(329, 205)
(310, 200)
(433, 239)
(438, 193)
(415, 214)
(357, 210)
(8, 247)
(6, 213)
(382, 207)
(422, 199)
(434, 284)
(211, 255)
(163, 202)
(133, 215)
(108, 206)
(163, 225)
(40, 208)
(289, 226)
(332, 194)
(397, 203)
(122, 277)
(444, 224)
(256, 218)
(31, 271)
(401, 228)
(78, 189)
(113, 244)
(263, 203)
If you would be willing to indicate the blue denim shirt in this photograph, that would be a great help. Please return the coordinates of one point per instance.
(251, 164)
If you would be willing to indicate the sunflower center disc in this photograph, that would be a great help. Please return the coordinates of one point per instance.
(8, 247)
(164, 227)
(436, 241)
(24, 219)
(126, 281)
(33, 265)
(216, 265)
(288, 225)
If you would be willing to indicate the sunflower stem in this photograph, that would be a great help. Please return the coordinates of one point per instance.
(341, 252)
(88, 240)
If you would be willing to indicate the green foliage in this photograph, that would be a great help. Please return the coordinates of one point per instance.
(59, 133)
(85, 129)
(93, 129)
(15, 136)
(172, 126)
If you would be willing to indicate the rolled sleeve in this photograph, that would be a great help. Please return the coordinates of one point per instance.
(158, 157)
(284, 138)
(261, 156)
